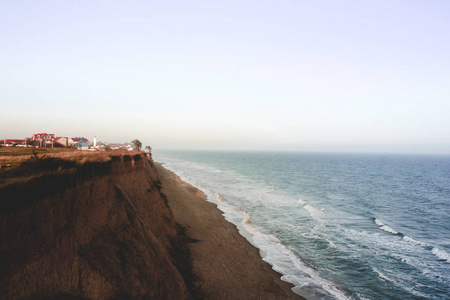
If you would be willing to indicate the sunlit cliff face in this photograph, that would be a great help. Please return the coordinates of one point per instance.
(90, 228)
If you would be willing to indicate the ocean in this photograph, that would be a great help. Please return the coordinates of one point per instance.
(337, 226)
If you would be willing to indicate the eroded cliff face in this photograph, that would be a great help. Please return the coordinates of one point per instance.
(97, 231)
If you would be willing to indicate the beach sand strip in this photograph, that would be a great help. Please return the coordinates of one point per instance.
(226, 265)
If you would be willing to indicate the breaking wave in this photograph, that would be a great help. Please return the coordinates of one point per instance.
(385, 227)
(313, 212)
(441, 254)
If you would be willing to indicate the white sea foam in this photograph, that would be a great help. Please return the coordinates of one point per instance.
(379, 223)
(331, 243)
(247, 221)
(406, 261)
(381, 275)
(385, 227)
(411, 240)
(441, 254)
(302, 202)
(299, 230)
(219, 199)
(309, 284)
(314, 212)
(262, 194)
(327, 286)
(388, 229)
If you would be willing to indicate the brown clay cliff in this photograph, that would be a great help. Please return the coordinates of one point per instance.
(91, 230)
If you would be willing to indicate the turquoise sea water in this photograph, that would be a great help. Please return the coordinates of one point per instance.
(338, 226)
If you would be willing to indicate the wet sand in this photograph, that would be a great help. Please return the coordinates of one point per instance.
(226, 265)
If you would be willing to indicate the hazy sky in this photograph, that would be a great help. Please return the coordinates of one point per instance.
(370, 76)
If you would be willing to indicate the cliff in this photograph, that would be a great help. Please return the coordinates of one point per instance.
(90, 229)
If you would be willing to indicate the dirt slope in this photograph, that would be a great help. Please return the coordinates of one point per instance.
(93, 230)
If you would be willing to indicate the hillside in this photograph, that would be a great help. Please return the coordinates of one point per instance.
(89, 226)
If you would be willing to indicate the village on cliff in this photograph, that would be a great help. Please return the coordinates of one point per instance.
(49, 140)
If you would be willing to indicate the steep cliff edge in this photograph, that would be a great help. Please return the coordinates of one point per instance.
(92, 230)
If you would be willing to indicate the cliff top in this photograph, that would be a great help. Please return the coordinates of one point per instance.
(18, 164)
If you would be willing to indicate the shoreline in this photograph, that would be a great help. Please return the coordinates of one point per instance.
(226, 264)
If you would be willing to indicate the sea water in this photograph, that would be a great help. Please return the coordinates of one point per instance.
(337, 226)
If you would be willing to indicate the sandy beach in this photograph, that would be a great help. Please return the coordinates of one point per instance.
(226, 265)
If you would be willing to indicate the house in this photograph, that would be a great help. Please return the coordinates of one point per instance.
(81, 143)
(13, 142)
(117, 146)
(101, 145)
(64, 141)
(43, 138)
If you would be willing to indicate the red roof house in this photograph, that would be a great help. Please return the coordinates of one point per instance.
(43, 136)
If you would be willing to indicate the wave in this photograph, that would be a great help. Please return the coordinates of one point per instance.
(305, 279)
(302, 202)
(247, 221)
(379, 223)
(386, 228)
(261, 196)
(219, 199)
(405, 237)
(313, 212)
(307, 283)
(441, 254)
(324, 284)
(395, 232)
(331, 243)
(381, 275)
(411, 240)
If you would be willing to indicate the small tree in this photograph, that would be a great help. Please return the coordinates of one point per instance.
(137, 144)
(149, 149)
(31, 142)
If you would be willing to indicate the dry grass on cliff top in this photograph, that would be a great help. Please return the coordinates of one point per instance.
(23, 154)
(18, 164)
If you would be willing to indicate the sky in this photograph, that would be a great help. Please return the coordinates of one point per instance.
(328, 76)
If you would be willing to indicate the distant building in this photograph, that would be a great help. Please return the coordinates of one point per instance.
(81, 143)
(12, 142)
(101, 145)
(117, 146)
(43, 138)
(64, 141)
